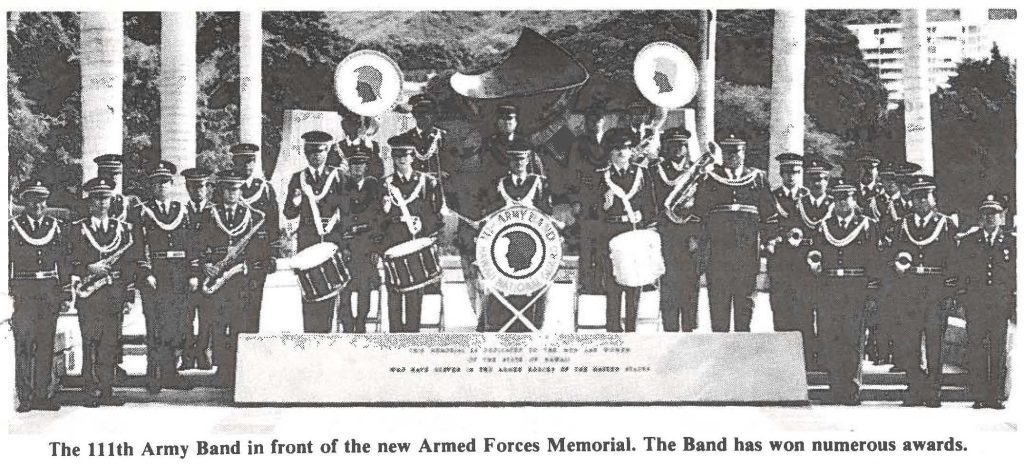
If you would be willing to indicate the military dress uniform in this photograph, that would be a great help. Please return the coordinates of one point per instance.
(922, 248)
(363, 146)
(430, 144)
(681, 234)
(411, 209)
(198, 319)
(38, 269)
(732, 206)
(526, 190)
(319, 217)
(811, 211)
(360, 199)
(168, 246)
(100, 314)
(259, 194)
(634, 206)
(987, 276)
(223, 227)
(845, 259)
(870, 196)
(585, 158)
(789, 237)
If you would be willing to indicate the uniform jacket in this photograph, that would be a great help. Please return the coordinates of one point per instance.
(987, 266)
(318, 211)
(37, 251)
(423, 196)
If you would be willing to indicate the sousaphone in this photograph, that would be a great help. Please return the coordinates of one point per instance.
(539, 77)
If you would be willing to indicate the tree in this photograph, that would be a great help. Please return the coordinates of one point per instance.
(975, 134)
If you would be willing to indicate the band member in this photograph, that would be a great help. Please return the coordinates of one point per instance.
(494, 157)
(37, 248)
(518, 188)
(585, 158)
(731, 201)
(428, 139)
(681, 232)
(357, 129)
(124, 207)
(922, 244)
(197, 309)
(359, 218)
(812, 210)
(898, 206)
(411, 209)
(167, 245)
(644, 130)
(786, 247)
(987, 258)
(228, 246)
(104, 252)
(845, 259)
(314, 199)
(258, 194)
(870, 193)
(629, 203)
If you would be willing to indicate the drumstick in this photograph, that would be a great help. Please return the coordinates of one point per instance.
(445, 211)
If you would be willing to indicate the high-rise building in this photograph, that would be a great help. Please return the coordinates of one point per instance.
(949, 43)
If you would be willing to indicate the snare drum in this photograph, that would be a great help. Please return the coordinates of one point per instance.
(321, 270)
(636, 258)
(412, 265)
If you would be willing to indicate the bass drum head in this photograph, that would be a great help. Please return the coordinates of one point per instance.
(409, 247)
(313, 255)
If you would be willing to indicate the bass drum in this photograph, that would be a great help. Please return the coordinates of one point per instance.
(636, 258)
(321, 270)
(412, 265)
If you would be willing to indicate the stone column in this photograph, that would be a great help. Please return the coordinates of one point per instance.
(706, 87)
(786, 128)
(178, 91)
(917, 90)
(102, 40)
(250, 89)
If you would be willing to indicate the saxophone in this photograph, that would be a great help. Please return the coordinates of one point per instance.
(231, 265)
(96, 281)
(685, 189)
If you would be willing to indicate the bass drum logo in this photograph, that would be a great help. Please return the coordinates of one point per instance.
(518, 251)
(368, 82)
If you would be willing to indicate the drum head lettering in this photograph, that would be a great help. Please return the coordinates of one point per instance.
(519, 251)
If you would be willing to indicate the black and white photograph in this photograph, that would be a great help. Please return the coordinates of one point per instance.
(503, 231)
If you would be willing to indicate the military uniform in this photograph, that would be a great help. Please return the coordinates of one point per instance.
(319, 217)
(845, 258)
(585, 158)
(922, 248)
(896, 205)
(100, 314)
(634, 205)
(411, 207)
(258, 194)
(37, 250)
(360, 199)
(811, 212)
(168, 246)
(732, 205)
(221, 228)
(789, 237)
(681, 234)
(197, 307)
(987, 276)
(870, 196)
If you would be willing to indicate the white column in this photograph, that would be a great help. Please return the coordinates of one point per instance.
(178, 90)
(917, 90)
(786, 128)
(102, 39)
(706, 87)
(250, 89)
